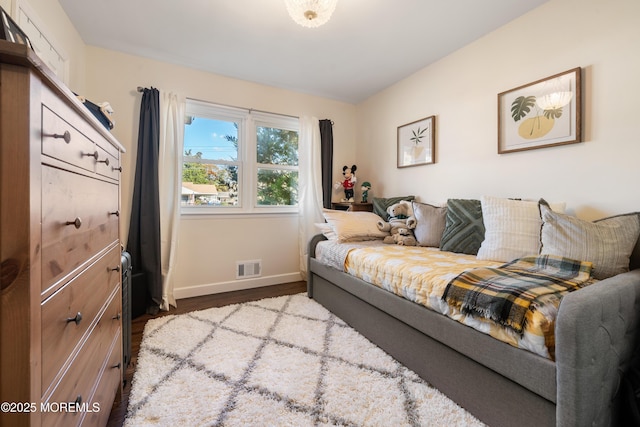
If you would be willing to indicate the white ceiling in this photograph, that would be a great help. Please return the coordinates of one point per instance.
(366, 46)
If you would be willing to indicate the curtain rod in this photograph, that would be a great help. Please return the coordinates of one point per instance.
(249, 110)
(141, 89)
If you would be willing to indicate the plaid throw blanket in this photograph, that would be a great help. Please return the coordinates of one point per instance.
(504, 294)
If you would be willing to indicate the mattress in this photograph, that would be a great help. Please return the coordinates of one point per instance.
(421, 274)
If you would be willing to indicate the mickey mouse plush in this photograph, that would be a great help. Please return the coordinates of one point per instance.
(348, 182)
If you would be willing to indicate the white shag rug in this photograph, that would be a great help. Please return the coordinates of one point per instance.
(284, 361)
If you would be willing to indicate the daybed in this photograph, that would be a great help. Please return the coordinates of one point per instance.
(596, 333)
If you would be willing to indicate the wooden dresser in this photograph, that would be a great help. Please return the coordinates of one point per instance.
(61, 300)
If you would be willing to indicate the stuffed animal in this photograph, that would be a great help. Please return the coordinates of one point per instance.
(401, 222)
(400, 215)
(401, 236)
(348, 182)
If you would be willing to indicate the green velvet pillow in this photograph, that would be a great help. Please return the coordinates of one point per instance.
(381, 204)
(464, 228)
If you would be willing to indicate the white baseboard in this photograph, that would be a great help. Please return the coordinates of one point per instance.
(236, 285)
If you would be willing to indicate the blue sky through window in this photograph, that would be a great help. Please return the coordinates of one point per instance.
(208, 137)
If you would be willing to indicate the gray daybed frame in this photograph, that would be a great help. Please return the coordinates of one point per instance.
(597, 331)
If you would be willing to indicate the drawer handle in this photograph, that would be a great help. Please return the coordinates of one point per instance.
(114, 268)
(119, 168)
(116, 213)
(66, 136)
(117, 365)
(116, 317)
(78, 400)
(105, 161)
(76, 319)
(94, 155)
(77, 223)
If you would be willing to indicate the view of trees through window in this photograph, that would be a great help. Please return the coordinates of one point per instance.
(277, 158)
(213, 164)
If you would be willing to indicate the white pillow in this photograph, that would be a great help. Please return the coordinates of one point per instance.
(512, 228)
(354, 226)
(326, 230)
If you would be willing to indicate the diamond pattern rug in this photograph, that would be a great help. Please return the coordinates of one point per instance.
(284, 361)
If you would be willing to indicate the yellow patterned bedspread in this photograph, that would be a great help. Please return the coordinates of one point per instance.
(421, 275)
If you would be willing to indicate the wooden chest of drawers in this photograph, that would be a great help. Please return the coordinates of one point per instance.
(61, 300)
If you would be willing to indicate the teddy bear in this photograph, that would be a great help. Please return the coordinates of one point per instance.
(401, 236)
(400, 215)
(400, 225)
(348, 182)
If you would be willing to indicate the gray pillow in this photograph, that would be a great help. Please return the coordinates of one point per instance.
(607, 243)
(464, 229)
(430, 223)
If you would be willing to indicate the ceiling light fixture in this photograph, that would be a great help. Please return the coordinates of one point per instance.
(311, 13)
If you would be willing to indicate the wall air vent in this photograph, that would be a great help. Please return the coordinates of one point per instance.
(246, 269)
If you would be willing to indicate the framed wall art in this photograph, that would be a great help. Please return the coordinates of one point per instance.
(10, 31)
(416, 142)
(544, 113)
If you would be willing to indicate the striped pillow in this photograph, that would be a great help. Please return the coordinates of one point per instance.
(512, 228)
(607, 243)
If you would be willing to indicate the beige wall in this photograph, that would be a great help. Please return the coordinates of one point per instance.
(56, 25)
(597, 177)
(209, 247)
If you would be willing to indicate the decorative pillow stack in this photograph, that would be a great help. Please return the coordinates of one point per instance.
(502, 229)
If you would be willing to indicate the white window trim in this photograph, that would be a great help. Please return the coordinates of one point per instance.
(248, 121)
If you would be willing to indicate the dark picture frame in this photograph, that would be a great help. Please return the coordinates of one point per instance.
(10, 31)
(544, 113)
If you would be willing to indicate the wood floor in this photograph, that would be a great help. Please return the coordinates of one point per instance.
(119, 409)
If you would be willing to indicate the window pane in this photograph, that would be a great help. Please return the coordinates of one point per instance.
(220, 189)
(277, 187)
(206, 178)
(211, 139)
(277, 146)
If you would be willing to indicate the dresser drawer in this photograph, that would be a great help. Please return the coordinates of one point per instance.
(110, 166)
(79, 219)
(68, 314)
(83, 374)
(107, 389)
(62, 141)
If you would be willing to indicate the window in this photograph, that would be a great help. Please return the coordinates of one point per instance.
(236, 160)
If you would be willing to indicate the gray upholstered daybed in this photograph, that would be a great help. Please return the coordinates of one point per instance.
(596, 332)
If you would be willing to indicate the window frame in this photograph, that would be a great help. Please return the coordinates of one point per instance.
(247, 163)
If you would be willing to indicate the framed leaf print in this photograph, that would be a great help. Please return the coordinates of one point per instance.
(416, 143)
(544, 113)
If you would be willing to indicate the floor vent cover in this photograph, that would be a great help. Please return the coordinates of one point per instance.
(246, 269)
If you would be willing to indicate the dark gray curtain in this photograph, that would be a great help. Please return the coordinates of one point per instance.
(144, 228)
(326, 156)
